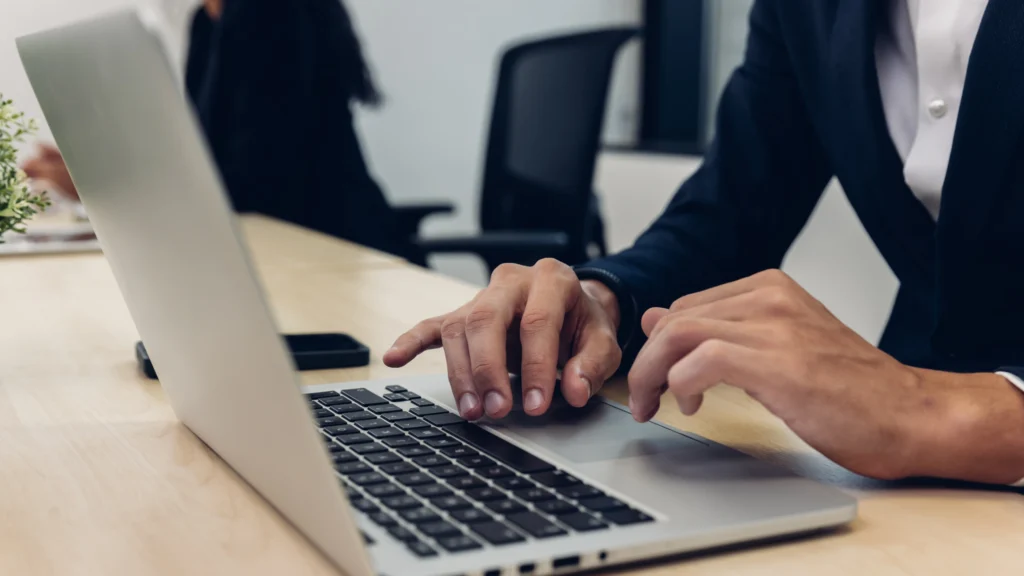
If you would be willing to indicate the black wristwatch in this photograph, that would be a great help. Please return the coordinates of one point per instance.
(627, 302)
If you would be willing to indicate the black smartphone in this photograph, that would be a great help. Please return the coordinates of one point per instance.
(309, 352)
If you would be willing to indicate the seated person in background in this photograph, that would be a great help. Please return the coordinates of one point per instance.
(273, 84)
(828, 88)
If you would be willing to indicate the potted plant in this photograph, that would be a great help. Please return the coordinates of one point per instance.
(17, 203)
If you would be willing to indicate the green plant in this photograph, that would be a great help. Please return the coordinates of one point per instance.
(17, 203)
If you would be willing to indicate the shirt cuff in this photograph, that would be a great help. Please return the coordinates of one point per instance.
(1019, 384)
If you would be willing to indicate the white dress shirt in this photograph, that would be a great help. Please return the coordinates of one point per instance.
(921, 54)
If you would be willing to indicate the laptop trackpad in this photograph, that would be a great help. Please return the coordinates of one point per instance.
(598, 432)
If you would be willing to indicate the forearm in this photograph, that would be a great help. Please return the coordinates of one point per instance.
(967, 427)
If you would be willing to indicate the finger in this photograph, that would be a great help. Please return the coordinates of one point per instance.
(651, 318)
(487, 327)
(757, 303)
(742, 286)
(597, 357)
(424, 336)
(540, 334)
(715, 362)
(673, 343)
(51, 153)
(460, 373)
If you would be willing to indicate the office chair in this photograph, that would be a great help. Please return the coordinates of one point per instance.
(537, 198)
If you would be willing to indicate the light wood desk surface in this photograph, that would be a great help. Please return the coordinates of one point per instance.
(97, 476)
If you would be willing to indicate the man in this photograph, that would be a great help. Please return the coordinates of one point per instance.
(917, 107)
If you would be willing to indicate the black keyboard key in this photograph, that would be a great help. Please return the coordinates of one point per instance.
(412, 424)
(336, 401)
(601, 503)
(398, 468)
(475, 462)
(459, 543)
(334, 448)
(556, 479)
(341, 430)
(556, 507)
(363, 449)
(420, 515)
(384, 409)
(439, 529)
(445, 442)
(465, 482)
(448, 471)
(350, 468)
(384, 490)
(414, 451)
(364, 397)
(496, 533)
(395, 388)
(582, 522)
(428, 410)
(319, 395)
(422, 403)
(383, 519)
(424, 433)
(365, 506)
(627, 516)
(421, 549)
(350, 439)
(514, 483)
(357, 416)
(397, 416)
(532, 495)
(492, 472)
(471, 516)
(411, 396)
(368, 479)
(431, 461)
(372, 424)
(388, 432)
(445, 419)
(322, 413)
(382, 458)
(505, 506)
(498, 448)
(449, 503)
(461, 451)
(580, 491)
(404, 502)
(401, 442)
(536, 525)
(414, 479)
(330, 421)
(343, 458)
(394, 397)
(486, 494)
(346, 409)
(432, 490)
(402, 534)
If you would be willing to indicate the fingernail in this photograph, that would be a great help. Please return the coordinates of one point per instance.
(467, 404)
(534, 399)
(590, 387)
(493, 403)
(631, 403)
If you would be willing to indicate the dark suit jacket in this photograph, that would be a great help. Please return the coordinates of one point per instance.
(806, 106)
(267, 84)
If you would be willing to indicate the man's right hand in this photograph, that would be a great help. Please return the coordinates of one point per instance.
(528, 320)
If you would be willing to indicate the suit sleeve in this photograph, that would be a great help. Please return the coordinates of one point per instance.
(741, 211)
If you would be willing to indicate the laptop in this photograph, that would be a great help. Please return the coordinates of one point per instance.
(382, 477)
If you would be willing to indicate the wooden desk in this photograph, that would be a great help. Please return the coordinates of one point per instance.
(97, 476)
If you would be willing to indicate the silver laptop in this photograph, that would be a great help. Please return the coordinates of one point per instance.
(384, 478)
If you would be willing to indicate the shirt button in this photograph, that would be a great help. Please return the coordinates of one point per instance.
(937, 108)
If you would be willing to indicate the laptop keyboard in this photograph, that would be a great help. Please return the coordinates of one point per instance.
(440, 484)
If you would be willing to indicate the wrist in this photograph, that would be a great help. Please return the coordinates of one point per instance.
(605, 298)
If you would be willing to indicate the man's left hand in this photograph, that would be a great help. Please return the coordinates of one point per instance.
(846, 398)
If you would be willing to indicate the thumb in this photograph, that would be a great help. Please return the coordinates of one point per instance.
(597, 357)
(651, 319)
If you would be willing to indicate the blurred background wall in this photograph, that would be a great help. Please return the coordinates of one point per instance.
(435, 61)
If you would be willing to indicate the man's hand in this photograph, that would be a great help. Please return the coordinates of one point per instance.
(48, 165)
(844, 397)
(528, 320)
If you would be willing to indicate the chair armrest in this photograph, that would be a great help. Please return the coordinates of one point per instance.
(411, 216)
(496, 248)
